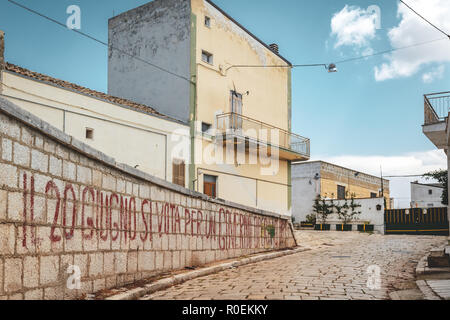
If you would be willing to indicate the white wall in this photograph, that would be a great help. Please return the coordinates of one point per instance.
(420, 197)
(369, 213)
(131, 137)
(304, 189)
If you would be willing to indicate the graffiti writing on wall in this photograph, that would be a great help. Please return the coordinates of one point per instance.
(115, 217)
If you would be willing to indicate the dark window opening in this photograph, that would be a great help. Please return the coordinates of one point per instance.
(341, 192)
(89, 133)
(207, 57)
(205, 127)
(430, 192)
(373, 195)
(207, 21)
(178, 172)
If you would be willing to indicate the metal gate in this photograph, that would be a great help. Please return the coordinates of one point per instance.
(431, 221)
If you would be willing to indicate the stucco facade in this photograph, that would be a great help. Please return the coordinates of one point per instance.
(138, 138)
(217, 44)
(426, 195)
(314, 178)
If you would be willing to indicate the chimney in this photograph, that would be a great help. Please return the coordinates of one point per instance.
(2, 49)
(274, 47)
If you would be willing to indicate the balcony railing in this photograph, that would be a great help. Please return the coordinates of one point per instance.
(235, 125)
(437, 107)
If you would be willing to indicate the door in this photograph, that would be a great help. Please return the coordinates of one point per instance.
(236, 110)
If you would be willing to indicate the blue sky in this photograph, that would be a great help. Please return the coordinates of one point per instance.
(351, 116)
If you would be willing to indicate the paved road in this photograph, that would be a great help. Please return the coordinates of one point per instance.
(335, 268)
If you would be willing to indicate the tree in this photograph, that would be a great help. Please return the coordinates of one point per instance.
(442, 177)
(348, 212)
(322, 209)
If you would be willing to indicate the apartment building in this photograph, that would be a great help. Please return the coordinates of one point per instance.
(239, 111)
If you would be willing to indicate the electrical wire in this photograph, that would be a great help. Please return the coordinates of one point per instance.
(389, 51)
(233, 66)
(99, 41)
(431, 24)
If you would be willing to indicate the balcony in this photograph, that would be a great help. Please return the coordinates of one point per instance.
(263, 136)
(437, 107)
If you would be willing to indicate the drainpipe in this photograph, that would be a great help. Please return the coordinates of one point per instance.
(2, 58)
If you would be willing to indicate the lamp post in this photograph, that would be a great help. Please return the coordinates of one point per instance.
(331, 68)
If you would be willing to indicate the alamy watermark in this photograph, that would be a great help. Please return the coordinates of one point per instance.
(74, 20)
(374, 277)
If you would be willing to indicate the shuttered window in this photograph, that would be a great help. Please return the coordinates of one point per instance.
(341, 192)
(210, 186)
(178, 173)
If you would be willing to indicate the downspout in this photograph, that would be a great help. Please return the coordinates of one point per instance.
(193, 98)
(289, 163)
(2, 58)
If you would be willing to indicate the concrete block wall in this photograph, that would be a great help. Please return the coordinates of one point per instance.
(66, 208)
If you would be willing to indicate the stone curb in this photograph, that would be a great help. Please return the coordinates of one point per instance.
(422, 269)
(165, 283)
(427, 292)
(421, 265)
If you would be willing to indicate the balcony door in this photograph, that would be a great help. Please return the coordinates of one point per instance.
(236, 109)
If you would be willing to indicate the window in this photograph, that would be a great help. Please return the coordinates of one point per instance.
(373, 195)
(178, 172)
(207, 21)
(430, 192)
(430, 205)
(207, 57)
(341, 192)
(210, 186)
(89, 133)
(205, 127)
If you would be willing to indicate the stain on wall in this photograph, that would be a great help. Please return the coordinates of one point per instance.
(157, 33)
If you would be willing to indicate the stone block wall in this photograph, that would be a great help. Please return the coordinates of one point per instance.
(68, 210)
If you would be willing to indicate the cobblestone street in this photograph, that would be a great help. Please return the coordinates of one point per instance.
(334, 268)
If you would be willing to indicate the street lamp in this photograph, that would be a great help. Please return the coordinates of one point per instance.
(331, 68)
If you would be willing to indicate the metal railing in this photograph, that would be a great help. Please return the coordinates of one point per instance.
(437, 107)
(234, 124)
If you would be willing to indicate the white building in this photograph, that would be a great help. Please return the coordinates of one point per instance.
(426, 195)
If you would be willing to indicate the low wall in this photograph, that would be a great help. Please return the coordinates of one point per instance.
(369, 213)
(69, 210)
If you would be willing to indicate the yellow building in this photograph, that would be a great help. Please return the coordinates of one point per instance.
(313, 178)
(239, 112)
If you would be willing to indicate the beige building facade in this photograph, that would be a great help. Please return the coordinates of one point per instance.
(313, 178)
(132, 133)
(239, 111)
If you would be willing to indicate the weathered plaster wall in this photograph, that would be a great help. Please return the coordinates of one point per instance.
(159, 33)
(63, 203)
(420, 197)
(304, 189)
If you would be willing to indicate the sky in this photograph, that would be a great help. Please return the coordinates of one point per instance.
(368, 114)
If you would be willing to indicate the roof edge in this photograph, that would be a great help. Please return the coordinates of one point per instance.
(246, 30)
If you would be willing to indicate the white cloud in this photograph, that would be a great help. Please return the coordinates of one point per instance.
(404, 164)
(354, 26)
(412, 30)
(436, 73)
